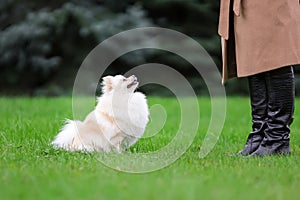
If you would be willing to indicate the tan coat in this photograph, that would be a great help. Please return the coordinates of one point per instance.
(258, 35)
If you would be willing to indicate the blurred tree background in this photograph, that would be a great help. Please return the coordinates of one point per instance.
(43, 43)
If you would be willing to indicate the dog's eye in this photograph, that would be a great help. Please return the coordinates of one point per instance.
(124, 79)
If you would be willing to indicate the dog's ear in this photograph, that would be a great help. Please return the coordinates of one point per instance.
(107, 85)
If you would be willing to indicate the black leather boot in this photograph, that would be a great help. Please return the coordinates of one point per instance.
(281, 87)
(259, 102)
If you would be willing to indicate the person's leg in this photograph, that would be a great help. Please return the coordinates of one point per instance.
(259, 102)
(281, 87)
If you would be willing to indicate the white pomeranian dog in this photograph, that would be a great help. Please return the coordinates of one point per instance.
(118, 121)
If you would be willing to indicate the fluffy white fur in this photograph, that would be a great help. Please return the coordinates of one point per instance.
(118, 121)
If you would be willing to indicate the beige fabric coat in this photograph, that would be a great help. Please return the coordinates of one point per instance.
(258, 35)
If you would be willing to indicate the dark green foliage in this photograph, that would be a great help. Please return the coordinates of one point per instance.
(196, 18)
(49, 44)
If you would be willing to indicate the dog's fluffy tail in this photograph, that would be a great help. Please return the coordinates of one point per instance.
(67, 135)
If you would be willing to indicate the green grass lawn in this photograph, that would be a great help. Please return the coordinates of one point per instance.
(31, 169)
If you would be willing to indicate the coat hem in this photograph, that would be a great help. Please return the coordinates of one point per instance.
(240, 75)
